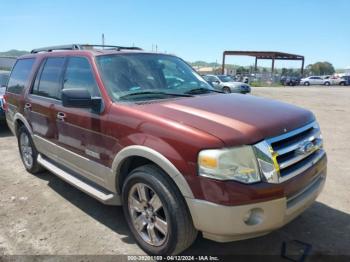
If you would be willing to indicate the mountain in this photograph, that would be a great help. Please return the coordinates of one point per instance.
(13, 52)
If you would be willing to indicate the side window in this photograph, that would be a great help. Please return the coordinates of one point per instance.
(79, 75)
(20, 75)
(49, 84)
(213, 79)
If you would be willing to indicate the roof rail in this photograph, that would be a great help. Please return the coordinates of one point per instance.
(82, 47)
(58, 47)
(111, 47)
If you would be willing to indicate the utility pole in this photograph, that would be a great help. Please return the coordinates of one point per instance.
(103, 40)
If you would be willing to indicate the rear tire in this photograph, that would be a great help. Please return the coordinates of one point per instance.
(327, 84)
(28, 152)
(342, 83)
(177, 232)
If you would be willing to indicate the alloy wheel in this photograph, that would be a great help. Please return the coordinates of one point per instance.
(147, 214)
(26, 150)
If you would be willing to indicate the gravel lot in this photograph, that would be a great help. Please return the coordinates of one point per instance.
(44, 215)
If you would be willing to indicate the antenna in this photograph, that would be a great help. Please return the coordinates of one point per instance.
(103, 40)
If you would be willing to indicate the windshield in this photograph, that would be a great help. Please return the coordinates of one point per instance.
(226, 78)
(148, 76)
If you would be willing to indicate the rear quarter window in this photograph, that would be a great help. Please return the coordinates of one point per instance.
(20, 75)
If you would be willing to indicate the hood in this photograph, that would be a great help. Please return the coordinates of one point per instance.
(235, 119)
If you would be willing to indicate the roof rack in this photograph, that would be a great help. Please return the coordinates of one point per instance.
(82, 47)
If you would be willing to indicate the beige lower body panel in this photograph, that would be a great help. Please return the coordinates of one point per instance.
(87, 168)
(229, 223)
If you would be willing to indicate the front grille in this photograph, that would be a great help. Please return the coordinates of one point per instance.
(297, 150)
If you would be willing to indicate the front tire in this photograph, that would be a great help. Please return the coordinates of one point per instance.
(226, 90)
(156, 212)
(28, 152)
(306, 83)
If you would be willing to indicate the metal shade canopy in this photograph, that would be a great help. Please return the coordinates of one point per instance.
(264, 55)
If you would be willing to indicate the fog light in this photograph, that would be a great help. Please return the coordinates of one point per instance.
(247, 216)
(254, 216)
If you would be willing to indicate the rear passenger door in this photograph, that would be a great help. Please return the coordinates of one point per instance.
(45, 93)
(80, 131)
(318, 80)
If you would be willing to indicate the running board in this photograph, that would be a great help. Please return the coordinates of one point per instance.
(106, 198)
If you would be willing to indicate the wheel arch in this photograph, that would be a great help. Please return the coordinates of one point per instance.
(227, 87)
(19, 120)
(132, 157)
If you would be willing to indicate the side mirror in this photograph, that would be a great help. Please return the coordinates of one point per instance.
(81, 98)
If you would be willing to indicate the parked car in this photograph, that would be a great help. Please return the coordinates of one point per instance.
(332, 80)
(241, 78)
(345, 81)
(180, 158)
(290, 81)
(283, 79)
(226, 84)
(4, 75)
(311, 80)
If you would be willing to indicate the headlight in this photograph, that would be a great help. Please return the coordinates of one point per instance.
(229, 164)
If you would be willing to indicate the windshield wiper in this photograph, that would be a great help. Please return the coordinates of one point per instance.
(202, 90)
(154, 93)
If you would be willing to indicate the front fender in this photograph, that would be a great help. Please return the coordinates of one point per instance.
(158, 159)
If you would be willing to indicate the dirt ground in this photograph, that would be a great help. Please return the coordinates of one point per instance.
(44, 215)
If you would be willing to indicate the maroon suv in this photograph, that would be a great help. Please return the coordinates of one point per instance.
(145, 131)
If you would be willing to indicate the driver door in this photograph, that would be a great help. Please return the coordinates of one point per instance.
(80, 131)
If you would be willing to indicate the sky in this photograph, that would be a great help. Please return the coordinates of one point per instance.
(193, 30)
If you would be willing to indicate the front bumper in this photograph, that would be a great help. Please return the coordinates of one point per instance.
(229, 223)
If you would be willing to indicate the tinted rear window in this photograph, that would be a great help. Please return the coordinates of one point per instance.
(20, 75)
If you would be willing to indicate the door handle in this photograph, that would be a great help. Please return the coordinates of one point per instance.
(28, 106)
(61, 116)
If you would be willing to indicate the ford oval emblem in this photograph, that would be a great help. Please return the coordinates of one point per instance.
(306, 148)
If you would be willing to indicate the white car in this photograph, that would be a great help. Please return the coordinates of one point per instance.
(312, 80)
(226, 84)
(332, 80)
